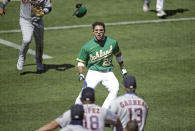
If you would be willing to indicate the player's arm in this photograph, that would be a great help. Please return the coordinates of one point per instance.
(80, 70)
(48, 7)
(81, 59)
(2, 8)
(40, 9)
(119, 59)
(114, 109)
(61, 122)
(49, 126)
(111, 117)
(147, 109)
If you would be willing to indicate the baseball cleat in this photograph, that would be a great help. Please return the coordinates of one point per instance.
(20, 64)
(40, 68)
(161, 13)
(146, 7)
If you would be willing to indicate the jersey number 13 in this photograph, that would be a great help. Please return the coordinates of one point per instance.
(135, 114)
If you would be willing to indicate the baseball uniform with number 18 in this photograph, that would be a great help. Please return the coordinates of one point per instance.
(94, 117)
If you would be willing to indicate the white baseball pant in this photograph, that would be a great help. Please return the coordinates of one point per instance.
(107, 79)
(159, 4)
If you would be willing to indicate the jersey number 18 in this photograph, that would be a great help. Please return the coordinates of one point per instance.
(93, 121)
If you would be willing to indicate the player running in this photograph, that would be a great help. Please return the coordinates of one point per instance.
(159, 7)
(31, 23)
(129, 106)
(97, 55)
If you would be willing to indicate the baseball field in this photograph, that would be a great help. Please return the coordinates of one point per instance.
(159, 52)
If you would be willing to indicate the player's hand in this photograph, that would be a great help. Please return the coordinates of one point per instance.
(81, 77)
(35, 19)
(2, 12)
(124, 72)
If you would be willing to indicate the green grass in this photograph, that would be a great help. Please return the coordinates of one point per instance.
(160, 55)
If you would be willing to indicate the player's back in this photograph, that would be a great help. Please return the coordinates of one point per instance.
(131, 107)
(95, 117)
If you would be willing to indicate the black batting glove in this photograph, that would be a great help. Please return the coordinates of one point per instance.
(124, 72)
(81, 77)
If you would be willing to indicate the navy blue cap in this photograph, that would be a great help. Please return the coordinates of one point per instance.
(77, 112)
(88, 94)
(129, 82)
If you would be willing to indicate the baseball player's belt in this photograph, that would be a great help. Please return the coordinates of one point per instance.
(108, 70)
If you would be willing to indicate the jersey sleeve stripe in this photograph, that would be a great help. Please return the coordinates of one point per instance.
(80, 60)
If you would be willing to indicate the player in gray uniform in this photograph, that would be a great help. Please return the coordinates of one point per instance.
(74, 128)
(31, 23)
(76, 123)
(94, 116)
(129, 106)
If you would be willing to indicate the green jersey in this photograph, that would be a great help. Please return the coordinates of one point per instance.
(99, 56)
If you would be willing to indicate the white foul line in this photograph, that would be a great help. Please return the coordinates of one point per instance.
(109, 24)
(30, 51)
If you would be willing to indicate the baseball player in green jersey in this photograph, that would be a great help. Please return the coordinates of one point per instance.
(97, 56)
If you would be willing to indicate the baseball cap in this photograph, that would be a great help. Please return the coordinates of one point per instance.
(77, 112)
(129, 82)
(81, 10)
(88, 94)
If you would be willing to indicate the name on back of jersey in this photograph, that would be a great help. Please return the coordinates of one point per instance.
(132, 102)
(92, 110)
